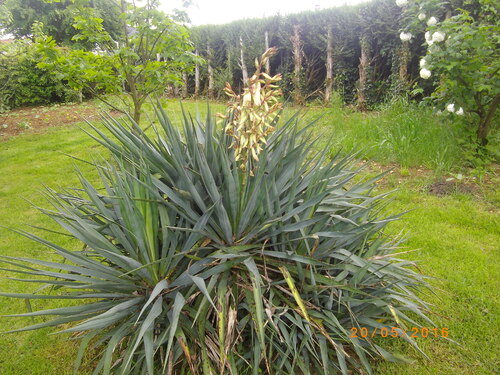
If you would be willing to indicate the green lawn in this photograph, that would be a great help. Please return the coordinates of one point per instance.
(457, 236)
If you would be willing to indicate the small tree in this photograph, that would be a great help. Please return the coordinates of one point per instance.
(467, 64)
(462, 57)
(154, 52)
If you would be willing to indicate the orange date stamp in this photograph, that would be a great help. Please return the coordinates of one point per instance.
(414, 332)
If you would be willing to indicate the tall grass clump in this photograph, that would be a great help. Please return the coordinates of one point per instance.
(399, 132)
(197, 263)
(414, 135)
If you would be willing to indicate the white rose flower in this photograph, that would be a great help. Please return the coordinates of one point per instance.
(450, 107)
(460, 111)
(425, 73)
(428, 36)
(438, 36)
(421, 16)
(401, 3)
(423, 63)
(432, 21)
(405, 36)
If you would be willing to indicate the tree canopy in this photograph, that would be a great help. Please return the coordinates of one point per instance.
(57, 18)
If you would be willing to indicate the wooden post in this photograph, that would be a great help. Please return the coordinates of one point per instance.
(364, 62)
(297, 59)
(329, 66)
(243, 66)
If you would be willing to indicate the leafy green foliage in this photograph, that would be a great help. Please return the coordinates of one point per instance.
(57, 18)
(79, 67)
(152, 54)
(462, 55)
(469, 64)
(191, 265)
(23, 82)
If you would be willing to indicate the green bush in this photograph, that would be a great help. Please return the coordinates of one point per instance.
(23, 83)
(34, 86)
(191, 265)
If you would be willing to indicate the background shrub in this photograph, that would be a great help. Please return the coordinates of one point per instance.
(23, 83)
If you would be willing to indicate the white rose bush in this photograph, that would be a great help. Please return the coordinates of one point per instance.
(461, 61)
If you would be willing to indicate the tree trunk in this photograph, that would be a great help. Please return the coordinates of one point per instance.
(137, 111)
(136, 98)
(196, 78)
(185, 85)
(210, 91)
(268, 64)
(329, 66)
(243, 66)
(177, 90)
(364, 62)
(123, 6)
(297, 60)
(485, 122)
(229, 66)
(404, 59)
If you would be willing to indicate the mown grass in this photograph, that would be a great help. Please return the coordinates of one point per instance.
(457, 235)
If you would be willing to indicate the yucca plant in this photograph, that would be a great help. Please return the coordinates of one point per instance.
(192, 265)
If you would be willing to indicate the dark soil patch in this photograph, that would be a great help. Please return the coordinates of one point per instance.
(442, 188)
(422, 179)
(35, 119)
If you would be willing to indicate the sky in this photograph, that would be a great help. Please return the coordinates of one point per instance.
(224, 11)
(203, 12)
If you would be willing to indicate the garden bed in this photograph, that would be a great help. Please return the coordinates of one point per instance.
(35, 119)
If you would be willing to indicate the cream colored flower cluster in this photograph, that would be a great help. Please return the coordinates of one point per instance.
(252, 113)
